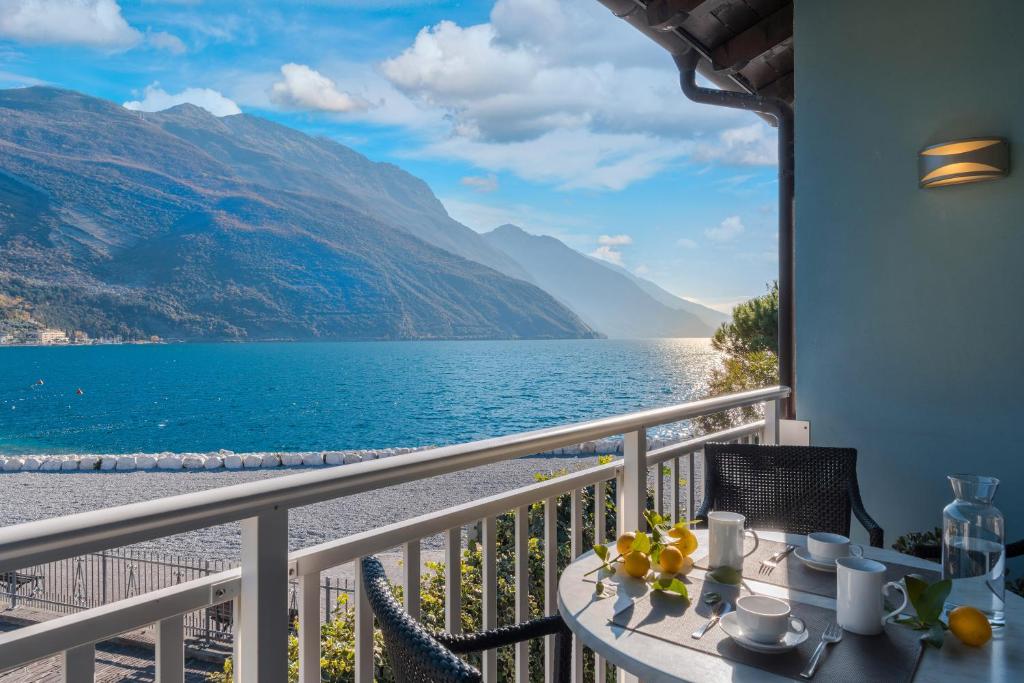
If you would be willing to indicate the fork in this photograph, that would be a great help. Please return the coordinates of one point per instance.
(769, 565)
(832, 634)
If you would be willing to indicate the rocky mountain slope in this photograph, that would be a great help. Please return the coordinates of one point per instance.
(608, 301)
(188, 226)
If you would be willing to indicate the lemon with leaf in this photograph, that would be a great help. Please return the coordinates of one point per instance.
(970, 626)
(636, 564)
(683, 539)
(625, 542)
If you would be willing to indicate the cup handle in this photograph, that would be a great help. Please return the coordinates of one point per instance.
(856, 550)
(903, 605)
(757, 542)
(797, 624)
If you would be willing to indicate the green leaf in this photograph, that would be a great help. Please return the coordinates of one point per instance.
(602, 552)
(712, 598)
(726, 575)
(656, 554)
(932, 600)
(915, 587)
(642, 543)
(670, 584)
(935, 636)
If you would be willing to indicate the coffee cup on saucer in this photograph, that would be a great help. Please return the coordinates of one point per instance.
(826, 548)
(765, 619)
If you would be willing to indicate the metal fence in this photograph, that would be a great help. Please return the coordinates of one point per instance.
(87, 581)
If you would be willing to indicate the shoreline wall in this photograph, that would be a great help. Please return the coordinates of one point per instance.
(225, 460)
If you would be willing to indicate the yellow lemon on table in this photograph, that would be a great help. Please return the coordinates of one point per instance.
(636, 564)
(685, 539)
(970, 626)
(671, 559)
(625, 542)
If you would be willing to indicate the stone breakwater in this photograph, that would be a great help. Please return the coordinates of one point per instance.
(229, 460)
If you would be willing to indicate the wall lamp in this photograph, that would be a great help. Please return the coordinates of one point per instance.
(964, 161)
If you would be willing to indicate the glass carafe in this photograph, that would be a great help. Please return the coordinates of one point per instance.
(973, 551)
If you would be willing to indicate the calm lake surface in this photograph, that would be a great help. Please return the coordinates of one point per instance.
(328, 396)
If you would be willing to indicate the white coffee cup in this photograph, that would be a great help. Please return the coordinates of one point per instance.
(725, 539)
(764, 619)
(826, 547)
(860, 589)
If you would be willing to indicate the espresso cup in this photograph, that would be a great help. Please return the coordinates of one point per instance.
(826, 547)
(860, 589)
(766, 620)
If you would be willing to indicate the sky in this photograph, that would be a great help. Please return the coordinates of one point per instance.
(550, 114)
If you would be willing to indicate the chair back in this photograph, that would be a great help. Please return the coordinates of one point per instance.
(796, 489)
(415, 656)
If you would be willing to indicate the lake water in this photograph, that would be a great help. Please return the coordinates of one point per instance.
(328, 396)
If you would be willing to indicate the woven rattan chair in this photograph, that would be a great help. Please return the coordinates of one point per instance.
(419, 656)
(797, 489)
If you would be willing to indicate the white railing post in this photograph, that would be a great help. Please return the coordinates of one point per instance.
(771, 423)
(309, 628)
(600, 534)
(489, 578)
(674, 490)
(691, 485)
(550, 581)
(575, 550)
(363, 630)
(411, 578)
(236, 640)
(634, 496)
(79, 664)
(170, 650)
(264, 626)
(453, 581)
(522, 565)
(659, 488)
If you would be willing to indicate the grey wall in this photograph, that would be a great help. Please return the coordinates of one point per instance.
(910, 302)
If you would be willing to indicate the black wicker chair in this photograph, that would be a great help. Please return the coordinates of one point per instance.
(418, 656)
(797, 489)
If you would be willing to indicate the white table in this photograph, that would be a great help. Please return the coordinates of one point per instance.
(653, 660)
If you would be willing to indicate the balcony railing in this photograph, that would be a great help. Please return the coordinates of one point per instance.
(258, 589)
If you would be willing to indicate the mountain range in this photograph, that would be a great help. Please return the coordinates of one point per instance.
(186, 225)
(191, 226)
(606, 297)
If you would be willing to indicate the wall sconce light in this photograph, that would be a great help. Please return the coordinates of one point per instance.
(964, 161)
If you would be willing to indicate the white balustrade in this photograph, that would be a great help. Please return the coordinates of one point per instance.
(259, 588)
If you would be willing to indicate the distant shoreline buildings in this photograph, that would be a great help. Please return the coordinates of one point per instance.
(52, 336)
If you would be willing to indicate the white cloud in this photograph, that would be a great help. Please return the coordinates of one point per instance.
(162, 40)
(570, 158)
(729, 229)
(641, 270)
(567, 75)
(156, 98)
(686, 243)
(94, 23)
(488, 183)
(753, 145)
(606, 253)
(306, 88)
(614, 240)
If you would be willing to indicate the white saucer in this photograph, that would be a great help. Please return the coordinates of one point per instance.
(820, 565)
(731, 625)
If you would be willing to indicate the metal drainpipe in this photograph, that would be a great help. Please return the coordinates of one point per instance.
(783, 115)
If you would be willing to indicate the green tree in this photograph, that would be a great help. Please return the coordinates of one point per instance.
(749, 344)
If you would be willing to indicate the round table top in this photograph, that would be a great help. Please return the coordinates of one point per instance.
(589, 617)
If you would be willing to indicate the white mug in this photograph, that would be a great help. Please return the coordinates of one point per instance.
(860, 588)
(764, 619)
(826, 547)
(725, 540)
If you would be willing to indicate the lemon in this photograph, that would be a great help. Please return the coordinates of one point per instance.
(625, 542)
(970, 626)
(671, 559)
(686, 540)
(636, 564)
